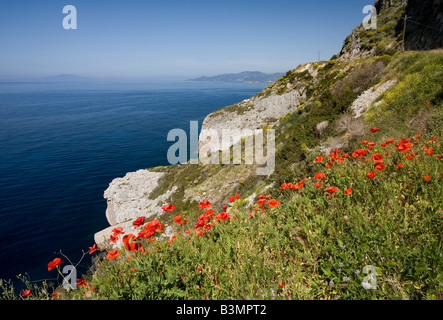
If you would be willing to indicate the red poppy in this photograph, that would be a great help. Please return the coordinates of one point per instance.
(180, 220)
(138, 222)
(281, 284)
(331, 189)
(128, 238)
(224, 207)
(113, 254)
(345, 155)
(54, 263)
(113, 238)
(429, 151)
(26, 293)
(153, 225)
(93, 248)
(118, 231)
(328, 164)
(380, 166)
(375, 129)
(168, 207)
(262, 201)
(231, 199)
(377, 157)
(300, 184)
(222, 216)
(317, 185)
(319, 176)
(237, 196)
(359, 153)
(204, 204)
(348, 191)
(273, 203)
(400, 165)
(284, 186)
(371, 174)
(319, 159)
(427, 178)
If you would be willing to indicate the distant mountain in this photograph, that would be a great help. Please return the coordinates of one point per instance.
(246, 76)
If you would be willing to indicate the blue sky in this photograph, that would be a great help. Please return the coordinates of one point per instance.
(137, 39)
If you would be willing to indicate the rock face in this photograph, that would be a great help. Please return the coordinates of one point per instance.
(423, 29)
(250, 114)
(366, 99)
(128, 199)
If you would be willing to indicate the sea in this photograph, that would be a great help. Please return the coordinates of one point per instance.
(61, 144)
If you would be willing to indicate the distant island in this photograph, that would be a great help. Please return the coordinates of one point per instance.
(246, 76)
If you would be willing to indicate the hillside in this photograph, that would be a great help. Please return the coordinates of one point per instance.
(357, 183)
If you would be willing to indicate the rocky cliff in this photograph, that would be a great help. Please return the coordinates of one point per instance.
(424, 28)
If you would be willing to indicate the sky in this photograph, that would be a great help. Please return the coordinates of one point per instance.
(144, 38)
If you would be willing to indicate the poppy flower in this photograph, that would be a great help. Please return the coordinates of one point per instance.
(380, 166)
(113, 254)
(262, 201)
(377, 157)
(153, 225)
(345, 155)
(331, 189)
(231, 199)
(224, 207)
(128, 238)
(281, 284)
(299, 185)
(400, 165)
(26, 293)
(113, 238)
(204, 204)
(319, 159)
(180, 220)
(93, 248)
(317, 185)
(138, 222)
(329, 164)
(118, 231)
(54, 263)
(284, 186)
(222, 216)
(429, 151)
(371, 174)
(273, 203)
(168, 207)
(375, 129)
(237, 196)
(359, 153)
(319, 176)
(427, 178)
(348, 191)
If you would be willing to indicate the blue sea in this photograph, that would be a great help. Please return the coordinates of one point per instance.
(61, 144)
